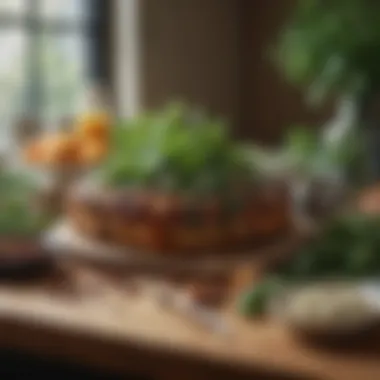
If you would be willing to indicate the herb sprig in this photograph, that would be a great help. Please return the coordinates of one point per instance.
(17, 215)
(175, 149)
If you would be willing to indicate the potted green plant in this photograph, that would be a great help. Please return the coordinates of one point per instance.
(332, 48)
(20, 224)
(175, 181)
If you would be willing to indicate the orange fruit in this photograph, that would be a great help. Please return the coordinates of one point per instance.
(92, 151)
(94, 126)
(34, 152)
(62, 148)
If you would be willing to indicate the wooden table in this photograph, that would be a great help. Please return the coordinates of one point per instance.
(129, 333)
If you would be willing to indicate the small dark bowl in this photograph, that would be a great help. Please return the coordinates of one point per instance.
(23, 257)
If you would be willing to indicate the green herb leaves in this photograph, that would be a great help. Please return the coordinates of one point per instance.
(332, 46)
(17, 216)
(348, 247)
(175, 149)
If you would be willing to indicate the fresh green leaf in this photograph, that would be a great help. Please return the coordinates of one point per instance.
(333, 46)
(349, 246)
(254, 302)
(17, 215)
(177, 149)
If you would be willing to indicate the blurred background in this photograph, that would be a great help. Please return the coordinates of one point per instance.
(143, 54)
(90, 68)
(52, 51)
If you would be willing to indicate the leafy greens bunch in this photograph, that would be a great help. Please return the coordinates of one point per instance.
(312, 154)
(332, 47)
(175, 149)
(17, 216)
(349, 247)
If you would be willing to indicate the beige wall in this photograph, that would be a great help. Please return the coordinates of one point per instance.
(190, 51)
(270, 104)
(213, 53)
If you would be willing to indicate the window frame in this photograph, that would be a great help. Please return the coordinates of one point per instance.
(97, 33)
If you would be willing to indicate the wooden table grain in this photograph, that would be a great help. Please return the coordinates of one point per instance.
(122, 332)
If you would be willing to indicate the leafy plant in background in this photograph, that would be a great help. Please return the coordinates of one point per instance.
(176, 149)
(17, 215)
(307, 153)
(311, 154)
(349, 248)
(302, 146)
(332, 47)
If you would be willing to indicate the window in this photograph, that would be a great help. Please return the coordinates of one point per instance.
(47, 58)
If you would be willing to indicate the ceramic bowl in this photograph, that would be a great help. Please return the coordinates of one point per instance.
(326, 317)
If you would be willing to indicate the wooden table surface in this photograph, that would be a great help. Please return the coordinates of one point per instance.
(123, 332)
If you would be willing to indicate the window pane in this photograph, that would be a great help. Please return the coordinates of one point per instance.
(12, 79)
(64, 9)
(64, 64)
(13, 6)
